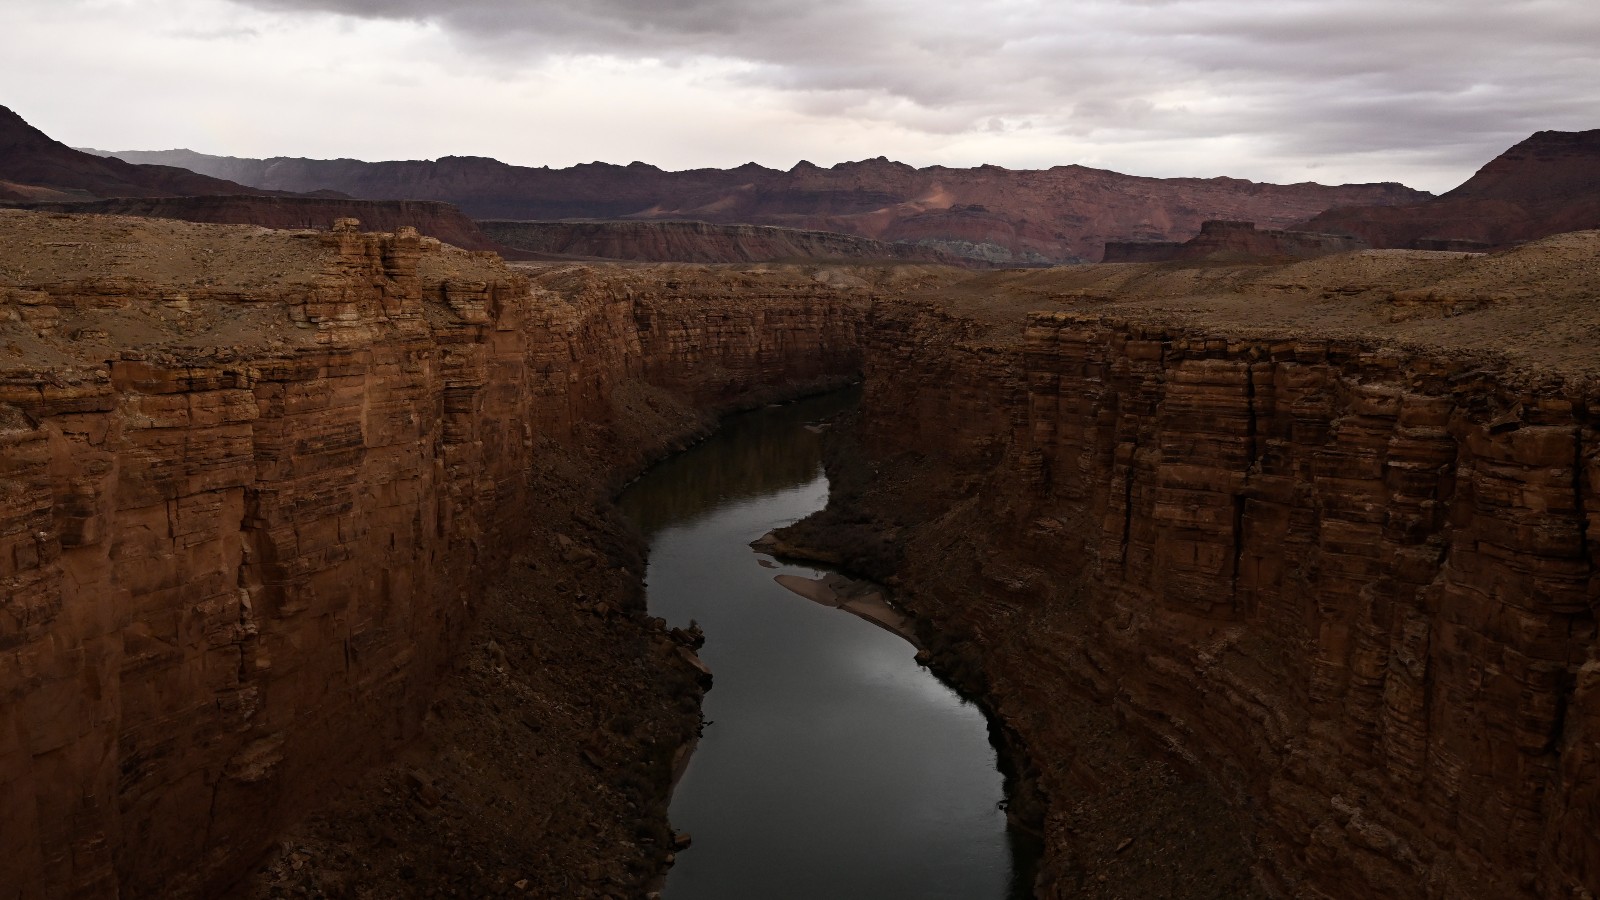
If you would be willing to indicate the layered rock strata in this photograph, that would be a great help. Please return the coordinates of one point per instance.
(254, 482)
(37, 172)
(1284, 566)
(1317, 534)
(988, 213)
(1221, 240)
(701, 242)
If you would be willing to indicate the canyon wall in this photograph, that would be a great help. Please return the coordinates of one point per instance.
(1333, 556)
(1306, 549)
(253, 483)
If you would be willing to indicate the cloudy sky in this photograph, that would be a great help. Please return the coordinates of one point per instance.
(1419, 91)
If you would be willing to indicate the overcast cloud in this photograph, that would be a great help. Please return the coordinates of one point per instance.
(1286, 90)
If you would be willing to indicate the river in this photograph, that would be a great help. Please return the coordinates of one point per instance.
(832, 765)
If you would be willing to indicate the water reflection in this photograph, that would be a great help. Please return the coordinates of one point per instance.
(834, 766)
(753, 455)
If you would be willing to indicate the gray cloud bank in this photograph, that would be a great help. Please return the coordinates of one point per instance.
(1445, 83)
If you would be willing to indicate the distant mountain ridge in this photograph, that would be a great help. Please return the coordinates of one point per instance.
(34, 166)
(1547, 184)
(41, 173)
(1063, 214)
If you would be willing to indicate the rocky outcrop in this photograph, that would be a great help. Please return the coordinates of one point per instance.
(35, 167)
(1547, 184)
(436, 220)
(255, 481)
(1335, 558)
(1001, 216)
(701, 242)
(1219, 240)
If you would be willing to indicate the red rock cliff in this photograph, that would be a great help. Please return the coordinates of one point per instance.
(234, 560)
(1330, 548)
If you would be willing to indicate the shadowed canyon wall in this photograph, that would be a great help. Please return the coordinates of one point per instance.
(234, 561)
(1351, 583)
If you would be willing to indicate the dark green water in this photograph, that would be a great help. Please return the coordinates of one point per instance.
(834, 766)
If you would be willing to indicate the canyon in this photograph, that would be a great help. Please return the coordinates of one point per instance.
(1275, 578)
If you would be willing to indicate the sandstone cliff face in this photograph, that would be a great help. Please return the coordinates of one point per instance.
(701, 242)
(1337, 559)
(234, 561)
(1011, 217)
